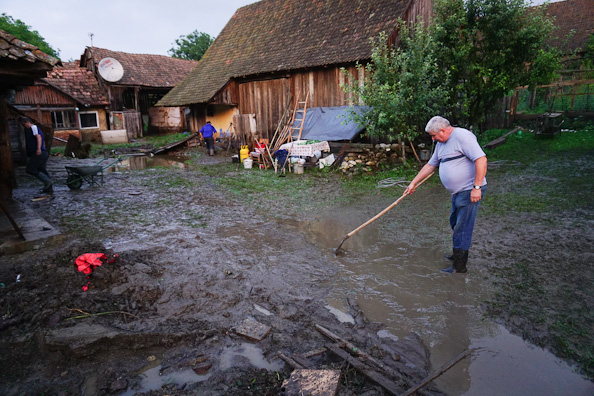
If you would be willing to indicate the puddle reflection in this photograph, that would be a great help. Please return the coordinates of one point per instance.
(145, 162)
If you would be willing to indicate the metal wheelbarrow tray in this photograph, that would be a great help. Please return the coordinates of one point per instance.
(92, 174)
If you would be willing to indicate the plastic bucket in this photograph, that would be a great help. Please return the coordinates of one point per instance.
(298, 168)
(424, 155)
(247, 163)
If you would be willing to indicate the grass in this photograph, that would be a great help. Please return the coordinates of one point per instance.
(264, 189)
(555, 172)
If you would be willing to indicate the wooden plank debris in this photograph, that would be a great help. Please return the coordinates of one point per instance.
(289, 360)
(253, 330)
(172, 145)
(358, 352)
(312, 382)
(341, 154)
(437, 373)
(390, 386)
(11, 219)
(500, 140)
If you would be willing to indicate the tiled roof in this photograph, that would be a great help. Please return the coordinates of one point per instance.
(77, 82)
(157, 71)
(15, 49)
(576, 15)
(276, 35)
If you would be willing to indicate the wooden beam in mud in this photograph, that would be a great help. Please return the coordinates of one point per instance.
(437, 373)
(289, 360)
(357, 351)
(390, 386)
(172, 145)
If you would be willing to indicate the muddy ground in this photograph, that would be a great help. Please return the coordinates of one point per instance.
(195, 261)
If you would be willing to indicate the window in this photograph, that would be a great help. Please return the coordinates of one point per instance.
(89, 120)
(64, 119)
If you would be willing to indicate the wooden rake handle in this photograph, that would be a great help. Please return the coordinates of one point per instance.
(383, 212)
(380, 214)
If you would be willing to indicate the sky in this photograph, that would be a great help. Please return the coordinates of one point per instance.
(134, 26)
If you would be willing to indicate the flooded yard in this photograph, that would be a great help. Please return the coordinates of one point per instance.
(195, 261)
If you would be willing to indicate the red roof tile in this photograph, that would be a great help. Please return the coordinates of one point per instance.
(15, 49)
(157, 71)
(77, 82)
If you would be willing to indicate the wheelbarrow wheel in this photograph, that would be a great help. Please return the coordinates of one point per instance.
(74, 182)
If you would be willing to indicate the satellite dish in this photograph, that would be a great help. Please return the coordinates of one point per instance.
(110, 69)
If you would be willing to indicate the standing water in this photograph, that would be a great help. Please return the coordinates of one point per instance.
(391, 269)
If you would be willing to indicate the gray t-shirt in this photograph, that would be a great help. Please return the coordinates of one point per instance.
(455, 159)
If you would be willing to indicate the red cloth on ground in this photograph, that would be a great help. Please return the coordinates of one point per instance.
(87, 262)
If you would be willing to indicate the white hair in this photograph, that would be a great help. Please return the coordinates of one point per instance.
(436, 124)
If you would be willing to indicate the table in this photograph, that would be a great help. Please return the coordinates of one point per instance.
(305, 150)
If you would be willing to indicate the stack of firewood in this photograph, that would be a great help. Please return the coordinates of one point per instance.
(368, 158)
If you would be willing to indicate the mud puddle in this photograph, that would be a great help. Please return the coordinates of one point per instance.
(393, 275)
(147, 162)
(154, 376)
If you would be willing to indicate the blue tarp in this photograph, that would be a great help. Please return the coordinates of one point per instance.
(329, 124)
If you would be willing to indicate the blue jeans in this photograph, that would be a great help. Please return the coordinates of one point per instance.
(462, 218)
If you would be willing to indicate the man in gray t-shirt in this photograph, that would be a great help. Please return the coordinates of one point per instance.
(462, 168)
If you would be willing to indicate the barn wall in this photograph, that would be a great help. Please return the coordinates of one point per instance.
(42, 94)
(419, 8)
(166, 120)
(269, 98)
(229, 95)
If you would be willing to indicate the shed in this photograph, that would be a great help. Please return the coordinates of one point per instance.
(20, 64)
(69, 99)
(146, 79)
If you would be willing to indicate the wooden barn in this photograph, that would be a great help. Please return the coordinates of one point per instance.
(145, 80)
(69, 99)
(20, 64)
(275, 50)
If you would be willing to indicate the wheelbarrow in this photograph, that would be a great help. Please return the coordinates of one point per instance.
(92, 174)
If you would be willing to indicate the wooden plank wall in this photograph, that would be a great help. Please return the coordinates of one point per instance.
(419, 8)
(267, 99)
(228, 95)
(44, 95)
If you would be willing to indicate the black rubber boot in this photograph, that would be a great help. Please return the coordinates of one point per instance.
(449, 256)
(460, 258)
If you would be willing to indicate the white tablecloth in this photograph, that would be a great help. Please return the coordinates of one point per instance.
(305, 150)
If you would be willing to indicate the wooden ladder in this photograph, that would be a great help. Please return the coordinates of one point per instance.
(299, 116)
(286, 132)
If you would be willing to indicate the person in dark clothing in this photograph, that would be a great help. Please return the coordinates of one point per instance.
(207, 132)
(37, 154)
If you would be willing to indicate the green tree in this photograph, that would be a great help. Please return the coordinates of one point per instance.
(24, 32)
(191, 47)
(488, 48)
(402, 87)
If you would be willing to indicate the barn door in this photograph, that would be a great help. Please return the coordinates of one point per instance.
(131, 121)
